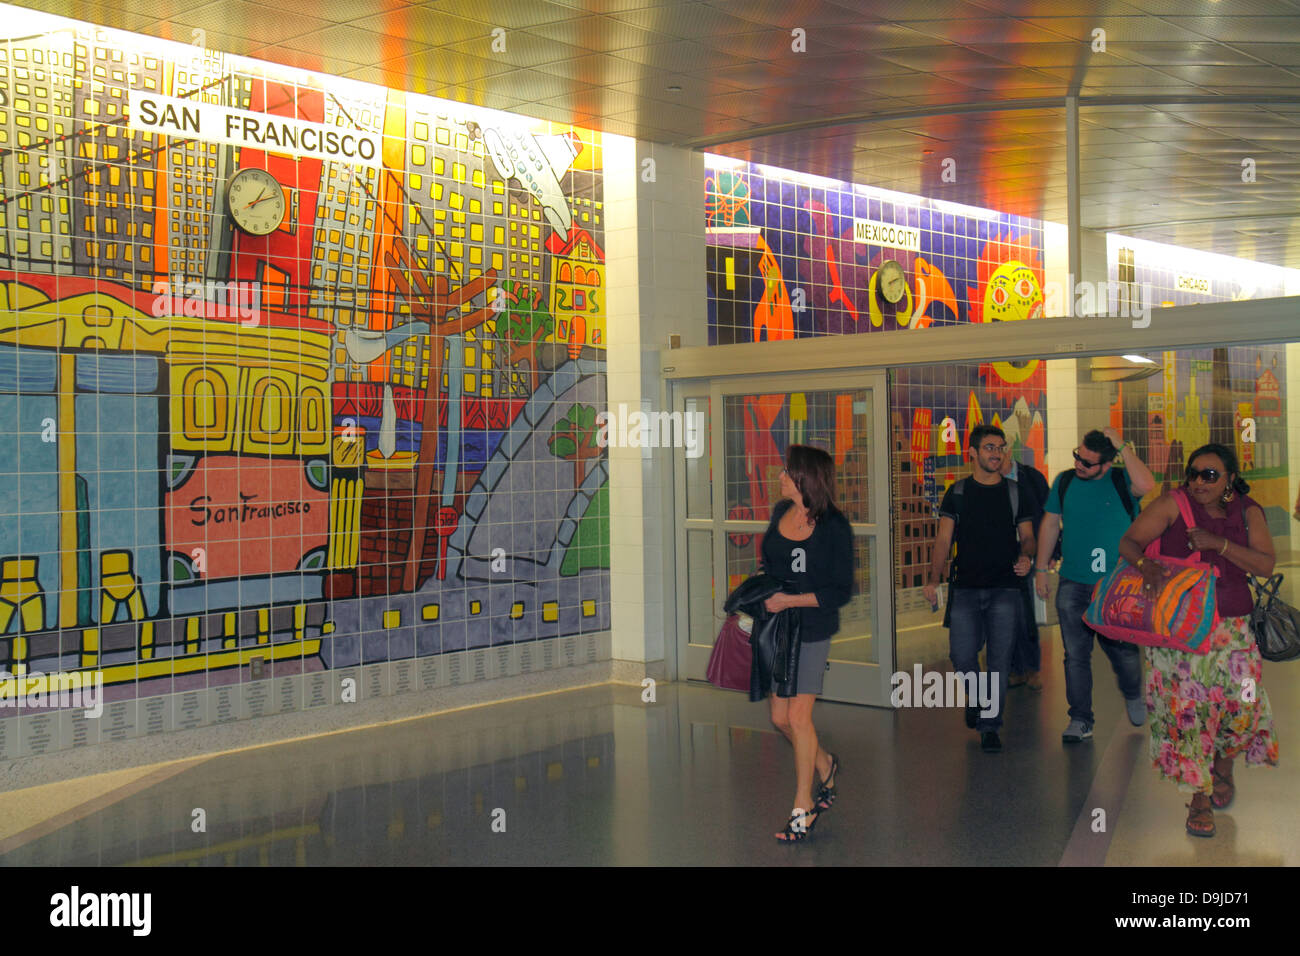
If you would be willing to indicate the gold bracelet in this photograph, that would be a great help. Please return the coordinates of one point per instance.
(1224, 549)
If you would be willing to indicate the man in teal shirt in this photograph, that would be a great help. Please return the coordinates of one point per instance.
(1095, 514)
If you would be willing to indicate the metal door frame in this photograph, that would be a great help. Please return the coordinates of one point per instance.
(846, 681)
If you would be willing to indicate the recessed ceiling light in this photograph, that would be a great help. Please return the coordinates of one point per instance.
(1139, 359)
(674, 89)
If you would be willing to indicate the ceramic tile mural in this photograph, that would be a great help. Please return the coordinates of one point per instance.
(1205, 395)
(336, 415)
(1224, 395)
(1178, 276)
(790, 257)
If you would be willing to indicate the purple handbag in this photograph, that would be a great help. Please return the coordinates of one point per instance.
(732, 657)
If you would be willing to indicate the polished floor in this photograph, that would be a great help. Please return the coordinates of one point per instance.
(698, 777)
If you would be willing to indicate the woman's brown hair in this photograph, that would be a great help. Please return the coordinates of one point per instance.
(813, 473)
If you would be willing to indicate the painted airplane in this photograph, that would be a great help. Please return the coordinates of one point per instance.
(538, 162)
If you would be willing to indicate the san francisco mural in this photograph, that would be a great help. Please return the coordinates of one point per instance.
(296, 368)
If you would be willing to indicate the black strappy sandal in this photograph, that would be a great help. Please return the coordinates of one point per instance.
(791, 834)
(826, 795)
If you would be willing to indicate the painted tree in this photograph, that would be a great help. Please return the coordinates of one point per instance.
(440, 304)
(529, 323)
(573, 438)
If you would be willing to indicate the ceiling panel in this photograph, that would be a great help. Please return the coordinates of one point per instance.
(911, 76)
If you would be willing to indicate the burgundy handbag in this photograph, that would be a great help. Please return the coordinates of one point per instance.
(732, 657)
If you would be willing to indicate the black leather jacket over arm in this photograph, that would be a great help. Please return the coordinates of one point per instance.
(775, 638)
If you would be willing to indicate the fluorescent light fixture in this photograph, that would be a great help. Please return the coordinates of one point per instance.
(1140, 359)
(807, 179)
(714, 161)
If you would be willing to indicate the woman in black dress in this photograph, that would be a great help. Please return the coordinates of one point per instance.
(809, 546)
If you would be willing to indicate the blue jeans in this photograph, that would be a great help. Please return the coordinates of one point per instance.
(985, 616)
(1028, 655)
(1072, 599)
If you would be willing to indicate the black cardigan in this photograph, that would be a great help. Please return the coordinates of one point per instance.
(828, 570)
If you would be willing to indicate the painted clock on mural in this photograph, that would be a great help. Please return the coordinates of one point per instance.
(256, 202)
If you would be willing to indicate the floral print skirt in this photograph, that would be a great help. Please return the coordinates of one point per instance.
(1201, 706)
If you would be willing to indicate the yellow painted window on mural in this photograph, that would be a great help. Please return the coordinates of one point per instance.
(418, 155)
(271, 398)
(443, 136)
(422, 131)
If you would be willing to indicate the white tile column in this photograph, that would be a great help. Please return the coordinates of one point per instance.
(656, 256)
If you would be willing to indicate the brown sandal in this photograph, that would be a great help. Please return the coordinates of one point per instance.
(1200, 821)
(1224, 790)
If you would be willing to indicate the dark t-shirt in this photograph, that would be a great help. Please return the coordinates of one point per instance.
(988, 543)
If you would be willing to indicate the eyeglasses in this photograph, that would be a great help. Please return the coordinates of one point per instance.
(1085, 462)
(991, 448)
(1207, 475)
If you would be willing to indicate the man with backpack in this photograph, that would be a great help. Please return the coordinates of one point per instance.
(1094, 503)
(995, 546)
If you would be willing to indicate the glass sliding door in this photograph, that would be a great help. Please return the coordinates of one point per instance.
(725, 499)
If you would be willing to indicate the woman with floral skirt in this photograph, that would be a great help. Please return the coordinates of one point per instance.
(1207, 709)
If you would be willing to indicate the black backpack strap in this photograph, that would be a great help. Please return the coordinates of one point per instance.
(958, 489)
(1067, 476)
(1119, 478)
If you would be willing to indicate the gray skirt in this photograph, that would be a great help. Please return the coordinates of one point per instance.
(812, 667)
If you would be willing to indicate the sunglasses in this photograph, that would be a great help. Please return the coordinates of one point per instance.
(1207, 475)
(1086, 463)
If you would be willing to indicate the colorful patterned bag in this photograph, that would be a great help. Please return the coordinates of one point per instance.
(1181, 614)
